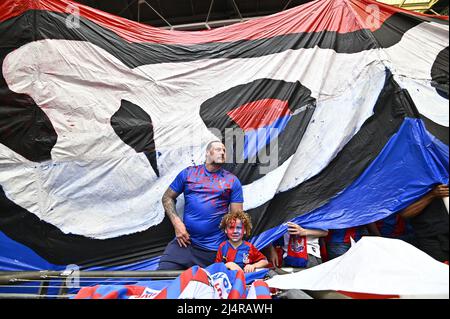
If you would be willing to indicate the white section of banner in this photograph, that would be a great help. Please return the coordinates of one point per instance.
(375, 265)
(421, 44)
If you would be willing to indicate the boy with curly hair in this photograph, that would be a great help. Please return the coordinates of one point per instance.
(235, 252)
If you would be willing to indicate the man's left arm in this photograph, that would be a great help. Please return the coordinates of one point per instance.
(416, 208)
(237, 197)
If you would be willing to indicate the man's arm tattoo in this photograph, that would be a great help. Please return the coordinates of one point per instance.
(168, 201)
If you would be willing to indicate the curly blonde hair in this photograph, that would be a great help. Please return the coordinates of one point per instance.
(239, 214)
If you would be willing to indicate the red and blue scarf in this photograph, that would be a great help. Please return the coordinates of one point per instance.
(297, 252)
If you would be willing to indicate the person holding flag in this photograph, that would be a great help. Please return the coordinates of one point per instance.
(429, 219)
(299, 247)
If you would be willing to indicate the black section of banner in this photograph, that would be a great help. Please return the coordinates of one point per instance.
(392, 106)
(439, 73)
(135, 128)
(56, 247)
(438, 131)
(214, 113)
(24, 127)
(393, 29)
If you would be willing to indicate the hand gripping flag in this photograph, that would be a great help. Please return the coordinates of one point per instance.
(337, 111)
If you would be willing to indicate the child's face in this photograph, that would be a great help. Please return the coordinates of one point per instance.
(235, 230)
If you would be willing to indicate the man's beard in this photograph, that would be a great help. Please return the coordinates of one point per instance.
(217, 164)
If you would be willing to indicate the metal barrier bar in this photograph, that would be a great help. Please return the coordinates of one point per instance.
(31, 296)
(6, 277)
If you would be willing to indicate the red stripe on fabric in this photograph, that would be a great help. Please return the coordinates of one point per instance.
(254, 255)
(162, 294)
(201, 276)
(248, 244)
(350, 232)
(234, 294)
(219, 257)
(341, 16)
(86, 293)
(240, 275)
(185, 278)
(134, 290)
(222, 244)
(111, 295)
(361, 295)
(260, 283)
(259, 113)
(13, 8)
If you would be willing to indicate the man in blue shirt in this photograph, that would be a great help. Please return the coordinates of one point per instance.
(209, 193)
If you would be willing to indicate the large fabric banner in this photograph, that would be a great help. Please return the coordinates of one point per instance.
(213, 282)
(334, 114)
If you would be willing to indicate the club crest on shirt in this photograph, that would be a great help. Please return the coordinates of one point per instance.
(245, 258)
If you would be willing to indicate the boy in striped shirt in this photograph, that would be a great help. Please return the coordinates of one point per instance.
(235, 252)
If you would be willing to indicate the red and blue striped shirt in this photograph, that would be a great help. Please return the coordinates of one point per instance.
(244, 254)
(343, 235)
(394, 226)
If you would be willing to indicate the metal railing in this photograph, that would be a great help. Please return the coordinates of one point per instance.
(59, 284)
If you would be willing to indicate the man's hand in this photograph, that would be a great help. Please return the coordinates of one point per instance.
(272, 255)
(168, 201)
(249, 268)
(295, 229)
(274, 258)
(183, 237)
(440, 191)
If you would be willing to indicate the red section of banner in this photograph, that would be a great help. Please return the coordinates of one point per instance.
(185, 278)
(133, 290)
(259, 113)
(341, 16)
